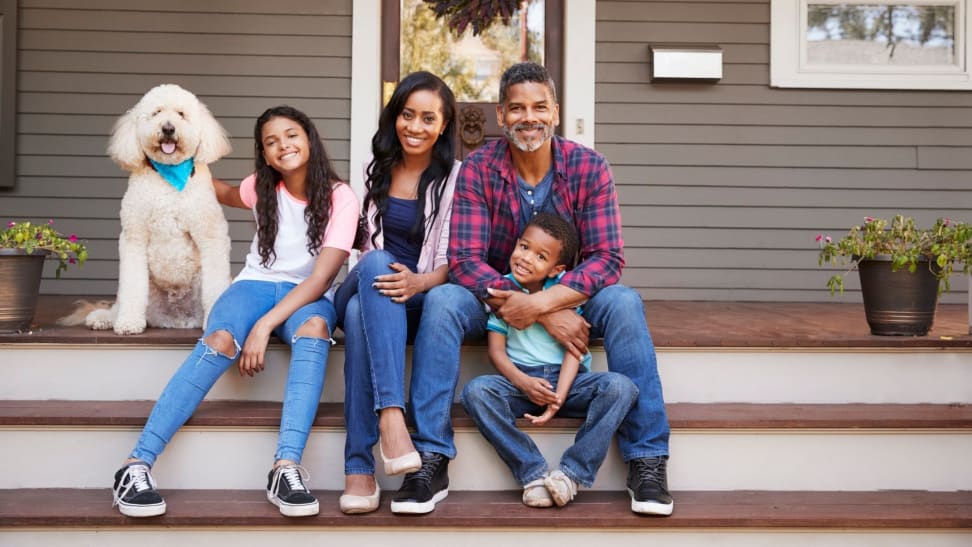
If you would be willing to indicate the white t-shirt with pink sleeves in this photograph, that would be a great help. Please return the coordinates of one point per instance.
(293, 263)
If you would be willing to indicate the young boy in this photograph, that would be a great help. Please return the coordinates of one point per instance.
(536, 374)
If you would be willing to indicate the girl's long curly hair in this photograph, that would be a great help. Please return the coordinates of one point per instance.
(320, 178)
(387, 152)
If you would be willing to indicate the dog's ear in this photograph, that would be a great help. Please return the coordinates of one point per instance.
(213, 141)
(123, 146)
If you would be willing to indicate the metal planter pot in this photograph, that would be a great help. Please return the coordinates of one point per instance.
(898, 303)
(20, 278)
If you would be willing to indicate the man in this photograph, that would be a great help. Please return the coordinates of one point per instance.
(500, 187)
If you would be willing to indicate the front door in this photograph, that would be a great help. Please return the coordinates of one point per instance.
(413, 39)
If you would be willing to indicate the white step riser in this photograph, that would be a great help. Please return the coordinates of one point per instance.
(367, 537)
(129, 373)
(718, 460)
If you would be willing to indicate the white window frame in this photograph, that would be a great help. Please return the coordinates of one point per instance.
(788, 67)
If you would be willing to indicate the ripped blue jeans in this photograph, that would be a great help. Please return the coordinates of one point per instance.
(236, 311)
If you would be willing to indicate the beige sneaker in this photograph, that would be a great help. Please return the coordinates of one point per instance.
(561, 488)
(535, 494)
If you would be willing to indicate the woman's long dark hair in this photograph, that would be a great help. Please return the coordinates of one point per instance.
(387, 152)
(320, 177)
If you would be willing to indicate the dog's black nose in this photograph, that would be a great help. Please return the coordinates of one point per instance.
(168, 129)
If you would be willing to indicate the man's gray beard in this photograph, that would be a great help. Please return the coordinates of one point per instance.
(510, 133)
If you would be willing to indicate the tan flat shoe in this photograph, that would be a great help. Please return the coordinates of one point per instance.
(406, 463)
(354, 505)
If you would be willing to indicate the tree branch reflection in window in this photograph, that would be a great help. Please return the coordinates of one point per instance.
(471, 65)
(881, 34)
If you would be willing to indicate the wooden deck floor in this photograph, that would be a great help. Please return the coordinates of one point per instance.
(672, 324)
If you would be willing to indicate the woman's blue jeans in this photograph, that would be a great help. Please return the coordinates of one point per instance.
(453, 315)
(236, 311)
(603, 399)
(376, 331)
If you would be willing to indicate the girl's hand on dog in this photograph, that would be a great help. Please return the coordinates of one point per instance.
(254, 351)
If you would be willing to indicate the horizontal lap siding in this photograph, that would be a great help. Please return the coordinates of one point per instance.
(82, 64)
(725, 186)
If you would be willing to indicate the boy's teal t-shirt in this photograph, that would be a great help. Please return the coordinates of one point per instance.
(532, 346)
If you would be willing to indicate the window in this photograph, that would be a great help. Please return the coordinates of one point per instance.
(471, 65)
(917, 44)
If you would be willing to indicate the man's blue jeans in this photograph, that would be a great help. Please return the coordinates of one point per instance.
(236, 311)
(603, 399)
(616, 313)
(376, 331)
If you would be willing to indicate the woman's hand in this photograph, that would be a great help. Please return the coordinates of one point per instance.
(401, 285)
(254, 350)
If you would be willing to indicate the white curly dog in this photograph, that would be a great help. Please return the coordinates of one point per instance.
(174, 247)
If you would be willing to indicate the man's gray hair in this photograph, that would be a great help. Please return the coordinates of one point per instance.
(525, 72)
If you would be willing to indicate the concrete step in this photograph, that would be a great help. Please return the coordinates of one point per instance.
(244, 518)
(761, 375)
(229, 445)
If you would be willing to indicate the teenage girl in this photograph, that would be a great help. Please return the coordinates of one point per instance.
(305, 225)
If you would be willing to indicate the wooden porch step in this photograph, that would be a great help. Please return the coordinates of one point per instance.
(681, 415)
(679, 324)
(67, 508)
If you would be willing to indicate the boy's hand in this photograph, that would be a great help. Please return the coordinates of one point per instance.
(539, 391)
(548, 413)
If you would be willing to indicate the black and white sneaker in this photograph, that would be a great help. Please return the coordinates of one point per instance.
(135, 492)
(424, 488)
(648, 486)
(286, 490)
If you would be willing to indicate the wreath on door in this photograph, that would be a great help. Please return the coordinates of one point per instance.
(481, 14)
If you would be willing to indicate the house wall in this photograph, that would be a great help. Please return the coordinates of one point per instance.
(82, 64)
(725, 186)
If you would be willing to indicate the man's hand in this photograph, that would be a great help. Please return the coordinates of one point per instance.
(518, 309)
(569, 328)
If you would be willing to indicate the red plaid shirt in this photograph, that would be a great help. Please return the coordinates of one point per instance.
(486, 217)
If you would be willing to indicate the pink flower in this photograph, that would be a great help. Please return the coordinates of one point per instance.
(11, 224)
(828, 240)
(72, 261)
(50, 221)
(868, 219)
(73, 238)
(819, 237)
(40, 236)
(947, 222)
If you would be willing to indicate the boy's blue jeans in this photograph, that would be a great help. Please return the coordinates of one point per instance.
(236, 311)
(602, 398)
(452, 314)
(376, 331)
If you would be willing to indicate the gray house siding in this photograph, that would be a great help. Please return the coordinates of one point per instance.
(725, 186)
(82, 64)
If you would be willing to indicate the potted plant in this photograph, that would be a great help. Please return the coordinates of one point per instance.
(902, 268)
(23, 248)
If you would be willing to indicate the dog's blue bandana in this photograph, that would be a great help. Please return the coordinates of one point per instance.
(176, 175)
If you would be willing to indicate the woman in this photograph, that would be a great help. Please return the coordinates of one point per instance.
(306, 219)
(409, 182)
